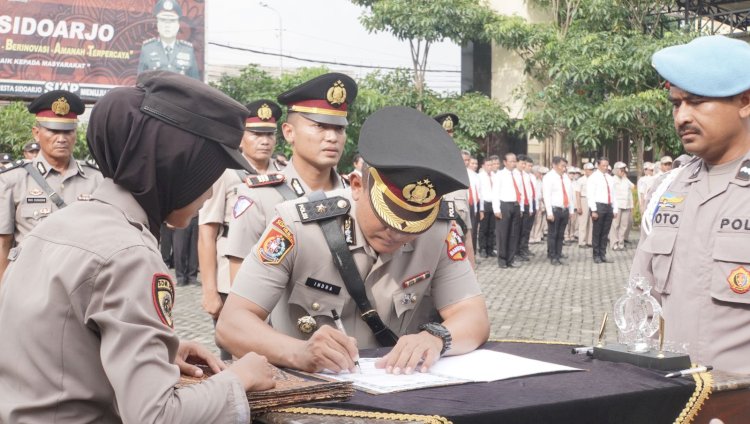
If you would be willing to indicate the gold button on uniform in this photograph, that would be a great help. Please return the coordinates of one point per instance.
(315, 306)
(342, 204)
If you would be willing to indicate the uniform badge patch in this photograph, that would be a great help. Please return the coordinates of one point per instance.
(349, 234)
(35, 192)
(739, 280)
(415, 279)
(670, 200)
(744, 172)
(278, 242)
(241, 205)
(162, 291)
(455, 245)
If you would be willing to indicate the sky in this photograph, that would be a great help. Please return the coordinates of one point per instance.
(321, 30)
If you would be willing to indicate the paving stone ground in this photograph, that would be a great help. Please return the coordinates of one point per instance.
(537, 301)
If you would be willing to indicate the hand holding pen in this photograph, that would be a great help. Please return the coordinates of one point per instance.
(340, 326)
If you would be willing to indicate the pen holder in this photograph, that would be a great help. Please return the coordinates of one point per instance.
(664, 361)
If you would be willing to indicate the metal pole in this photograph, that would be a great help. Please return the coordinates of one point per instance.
(281, 28)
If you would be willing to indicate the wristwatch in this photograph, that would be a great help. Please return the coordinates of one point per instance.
(438, 330)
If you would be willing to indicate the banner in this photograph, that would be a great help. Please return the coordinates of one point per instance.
(91, 46)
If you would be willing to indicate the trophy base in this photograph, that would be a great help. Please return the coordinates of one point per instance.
(664, 361)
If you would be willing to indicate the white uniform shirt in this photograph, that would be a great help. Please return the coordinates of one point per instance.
(600, 188)
(485, 186)
(475, 195)
(506, 187)
(554, 196)
(527, 190)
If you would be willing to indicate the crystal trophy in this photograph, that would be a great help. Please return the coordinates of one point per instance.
(637, 315)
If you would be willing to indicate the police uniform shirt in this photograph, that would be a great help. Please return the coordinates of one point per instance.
(218, 210)
(24, 204)
(601, 190)
(407, 287)
(254, 209)
(698, 261)
(623, 192)
(181, 59)
(90, 339)
(582, 185)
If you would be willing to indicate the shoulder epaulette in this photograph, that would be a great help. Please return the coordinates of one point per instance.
(17, 164)
(91, 163)
(264, 180)
(447, 210)
(150, 40)
(184, 42)
(317, 210)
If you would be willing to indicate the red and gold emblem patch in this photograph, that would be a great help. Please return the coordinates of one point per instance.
(455, 242)
(162, 291)
(278, 242)
(739, 280)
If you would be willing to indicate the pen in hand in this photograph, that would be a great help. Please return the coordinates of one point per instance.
(340, 326)
(689, 371)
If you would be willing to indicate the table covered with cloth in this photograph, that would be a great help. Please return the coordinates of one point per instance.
(605, 392)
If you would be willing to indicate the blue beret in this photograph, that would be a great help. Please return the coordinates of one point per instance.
(712, 66)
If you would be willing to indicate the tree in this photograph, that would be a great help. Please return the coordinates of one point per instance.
(15, 128)
(592, 80)
(424, 22)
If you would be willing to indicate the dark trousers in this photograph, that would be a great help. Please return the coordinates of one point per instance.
(527, 221)
(556, 232)
(474, 226)
(487, 230)
(600, 229)
(165, 245)
(508, 230)
(186, 253)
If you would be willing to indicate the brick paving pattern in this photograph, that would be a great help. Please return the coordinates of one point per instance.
(537, 301)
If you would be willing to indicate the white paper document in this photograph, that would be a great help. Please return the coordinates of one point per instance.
(478, 366)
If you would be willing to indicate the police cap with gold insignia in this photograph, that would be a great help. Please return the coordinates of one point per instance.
(448, 120)
(412, 162)
(5, 158)
(170, 97)
(324, 99)
(711, 66)
(166, 7)
(57, 110)
(264, 114)
(31, 146)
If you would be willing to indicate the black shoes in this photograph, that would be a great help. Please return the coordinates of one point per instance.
(597, 260)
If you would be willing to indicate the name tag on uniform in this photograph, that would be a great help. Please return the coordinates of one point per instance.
(36, 200)
(322, 285)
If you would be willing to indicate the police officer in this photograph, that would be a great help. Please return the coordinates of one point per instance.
(166, 51)
(257, 146)
(30, 150)
(460, 198)
(408, 262)
(32, 190)
(694, 248)
(5, 159)
(315, 128)
(95, 306)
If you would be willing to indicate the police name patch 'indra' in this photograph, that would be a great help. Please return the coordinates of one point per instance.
(323, 286)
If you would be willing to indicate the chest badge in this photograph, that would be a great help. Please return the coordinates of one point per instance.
(739, 280)
(307, 324)
(670, 200)
(36, 192)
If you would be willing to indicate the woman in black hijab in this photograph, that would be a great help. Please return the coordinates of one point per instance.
(89, 283)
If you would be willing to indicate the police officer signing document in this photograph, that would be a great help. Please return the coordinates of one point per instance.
(400, 277)
(33, 189)
(697, 252)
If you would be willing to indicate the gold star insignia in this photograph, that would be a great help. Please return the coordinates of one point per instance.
(321, 208)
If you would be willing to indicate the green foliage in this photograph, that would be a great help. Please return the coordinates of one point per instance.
(15, 128)
(592, 76)
(479, 115)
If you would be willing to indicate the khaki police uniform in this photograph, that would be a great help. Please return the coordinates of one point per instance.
(291, 273)
(24, 204)
(254, 209)
(697, 259)
(460, 199)
(585, 226)
(103, 330)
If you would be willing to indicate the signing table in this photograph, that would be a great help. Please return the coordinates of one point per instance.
(605, 392)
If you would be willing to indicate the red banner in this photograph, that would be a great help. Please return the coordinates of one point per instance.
(91, 46)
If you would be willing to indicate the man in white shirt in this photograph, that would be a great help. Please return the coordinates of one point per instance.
(585, 224)
(506, 200)
(603, 206)
(486, 218)
(624, 195)
(528, 208)
(644, 184)
(559, 207)
(474, 197)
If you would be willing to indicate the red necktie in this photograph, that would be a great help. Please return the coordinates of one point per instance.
(515, 186)
(565, 193)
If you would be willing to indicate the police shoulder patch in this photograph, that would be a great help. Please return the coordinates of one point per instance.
(278, 241)
(162, 292)
(17, 164)
(241, 205)
(447, 210)
(264, 180)
(455, 244)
